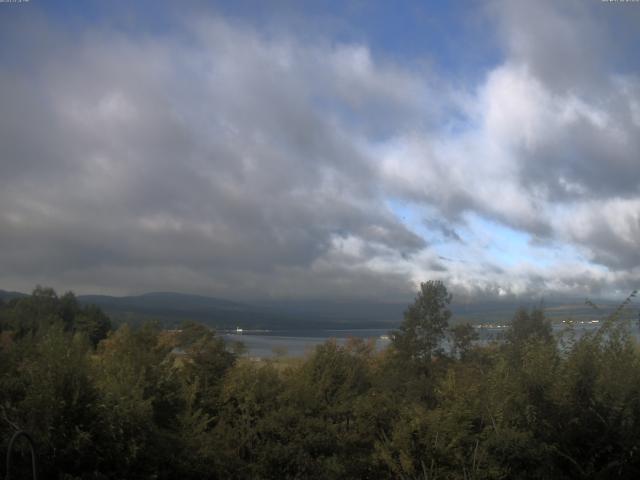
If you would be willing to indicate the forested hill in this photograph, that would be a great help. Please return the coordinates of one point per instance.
(5, 295)
(172, 308)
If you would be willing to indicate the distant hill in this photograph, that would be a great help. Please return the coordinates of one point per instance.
(5, 295)
(172, 308)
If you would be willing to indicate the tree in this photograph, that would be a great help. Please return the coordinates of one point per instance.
(46, 389)
(425, 323)
(93, 322)
(206, 362)
(139, 398)
(528, 326)
(24, 316)
(462, 338)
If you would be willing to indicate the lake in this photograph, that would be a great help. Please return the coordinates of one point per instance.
(297, 343)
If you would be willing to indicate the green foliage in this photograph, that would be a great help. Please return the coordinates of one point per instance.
(425, 323)
(416, 354)
(128, 368)
(462, 338)
(527, 325)
(26, 316)
(143, 403)
(50, 394)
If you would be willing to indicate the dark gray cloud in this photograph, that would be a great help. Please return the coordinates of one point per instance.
(227, 159)
(587, 84)
(564, 44)
(209, 160)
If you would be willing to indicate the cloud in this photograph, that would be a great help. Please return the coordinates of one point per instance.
(212, 159)
(549, 142)
(226, 159)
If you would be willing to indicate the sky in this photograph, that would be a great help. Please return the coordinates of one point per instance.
(321, 150)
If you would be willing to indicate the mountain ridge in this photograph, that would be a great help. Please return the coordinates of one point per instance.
(172, 308)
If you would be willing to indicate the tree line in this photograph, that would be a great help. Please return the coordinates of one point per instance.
(147, 403)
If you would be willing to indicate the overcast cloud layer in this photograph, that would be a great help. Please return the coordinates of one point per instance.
(229, 159)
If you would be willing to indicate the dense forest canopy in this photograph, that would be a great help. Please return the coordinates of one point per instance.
(143, 402)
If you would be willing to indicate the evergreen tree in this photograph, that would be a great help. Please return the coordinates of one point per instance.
(425, 322)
